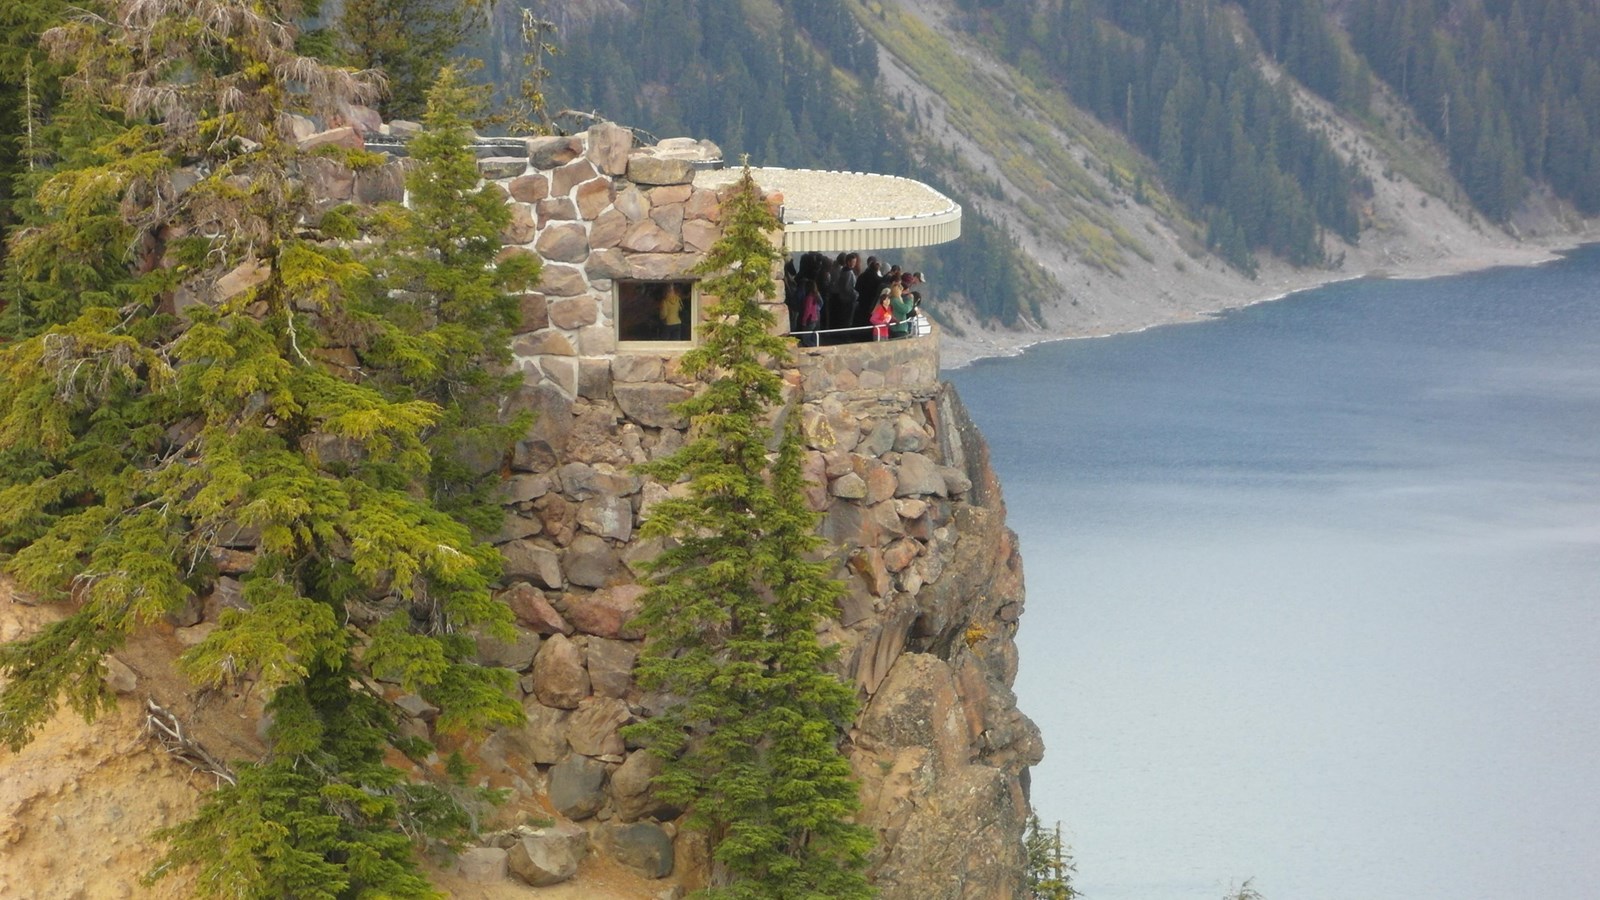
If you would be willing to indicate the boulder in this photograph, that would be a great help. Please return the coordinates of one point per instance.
(533, 313)
(670, 195)
(610, 666)
(559, 678)
(542, 343)
(590, 562)
(544, 736)
(703, 204)
(533, 611)
(243, 277)
(699, 235)
(344, 136)
(364, 119)
(563, 242)
(642, 846)
(530, 188)
(594, 377)
(656, 266)
(574, 312)
(608, 146)
(919, 477)
(956, 481)
(328, 180)
(539, 564)
(607, 612)
(517, 654)
(899, 554)
(541, 861)
(416, 707)
(597, 340)
(119, 677)
(633, 204)
(569, 176)
(561, 280)
(227, 593)
(650, 170)
(879, 440)
(482, 865)
(633, 789)
(669, 217)
(848, 486)
(909, 435)
(607, 263)
(555, 209)
(868, 565)
(192, 612)
(650, 237)
(608, 229)
(301, 127)
(576, 786)
(650, 404)
(549, 151)
(593, 197)
(881, 482)
(592, 730)
(522, 227)
(522, 488)
(562, 372)
(607, 517)
(560, 517)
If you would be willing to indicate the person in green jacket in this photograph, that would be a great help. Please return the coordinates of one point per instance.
(900, 303)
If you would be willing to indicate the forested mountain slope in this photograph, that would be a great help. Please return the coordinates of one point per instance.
(1121, 162)
(1129, 162)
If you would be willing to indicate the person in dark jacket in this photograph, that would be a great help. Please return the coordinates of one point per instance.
(868, 285)
(842, 292)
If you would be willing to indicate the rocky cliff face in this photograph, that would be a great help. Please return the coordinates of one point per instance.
(915, 513)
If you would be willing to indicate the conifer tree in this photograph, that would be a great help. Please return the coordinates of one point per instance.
(438, 322)
(752, 748)
(407, 40)
(183, 399)
(1050, 864)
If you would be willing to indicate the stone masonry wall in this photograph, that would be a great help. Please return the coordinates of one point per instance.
(905, 363)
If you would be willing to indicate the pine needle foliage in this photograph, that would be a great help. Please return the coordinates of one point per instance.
(438, 326)
(1051, 867)
(166, 390)
(752, 746)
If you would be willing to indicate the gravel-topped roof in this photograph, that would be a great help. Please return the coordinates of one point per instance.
(836, 211)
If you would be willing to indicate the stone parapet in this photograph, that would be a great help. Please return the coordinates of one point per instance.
(903, 364)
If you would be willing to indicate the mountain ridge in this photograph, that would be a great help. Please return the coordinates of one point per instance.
(1081, 219)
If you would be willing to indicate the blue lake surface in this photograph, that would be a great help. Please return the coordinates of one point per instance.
(1314, 591)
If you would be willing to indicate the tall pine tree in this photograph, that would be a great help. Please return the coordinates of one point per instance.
(752, 748)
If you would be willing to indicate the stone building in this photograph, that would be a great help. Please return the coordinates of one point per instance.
(910, 506)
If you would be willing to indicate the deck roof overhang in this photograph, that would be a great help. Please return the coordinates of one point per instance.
(833, 212)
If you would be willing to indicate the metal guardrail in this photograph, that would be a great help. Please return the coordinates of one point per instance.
(815, 334)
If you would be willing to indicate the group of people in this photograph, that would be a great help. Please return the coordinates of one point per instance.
(828, 294)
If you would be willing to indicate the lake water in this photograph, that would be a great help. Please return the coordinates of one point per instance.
(1314, 591)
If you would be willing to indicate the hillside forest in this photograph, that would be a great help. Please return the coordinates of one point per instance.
(1507, 90)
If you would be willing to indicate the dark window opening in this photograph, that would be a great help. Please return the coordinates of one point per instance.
(658, 311)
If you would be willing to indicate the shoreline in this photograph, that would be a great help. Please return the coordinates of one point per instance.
(961, 352)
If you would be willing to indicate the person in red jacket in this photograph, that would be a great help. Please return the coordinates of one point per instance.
(882, 316)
